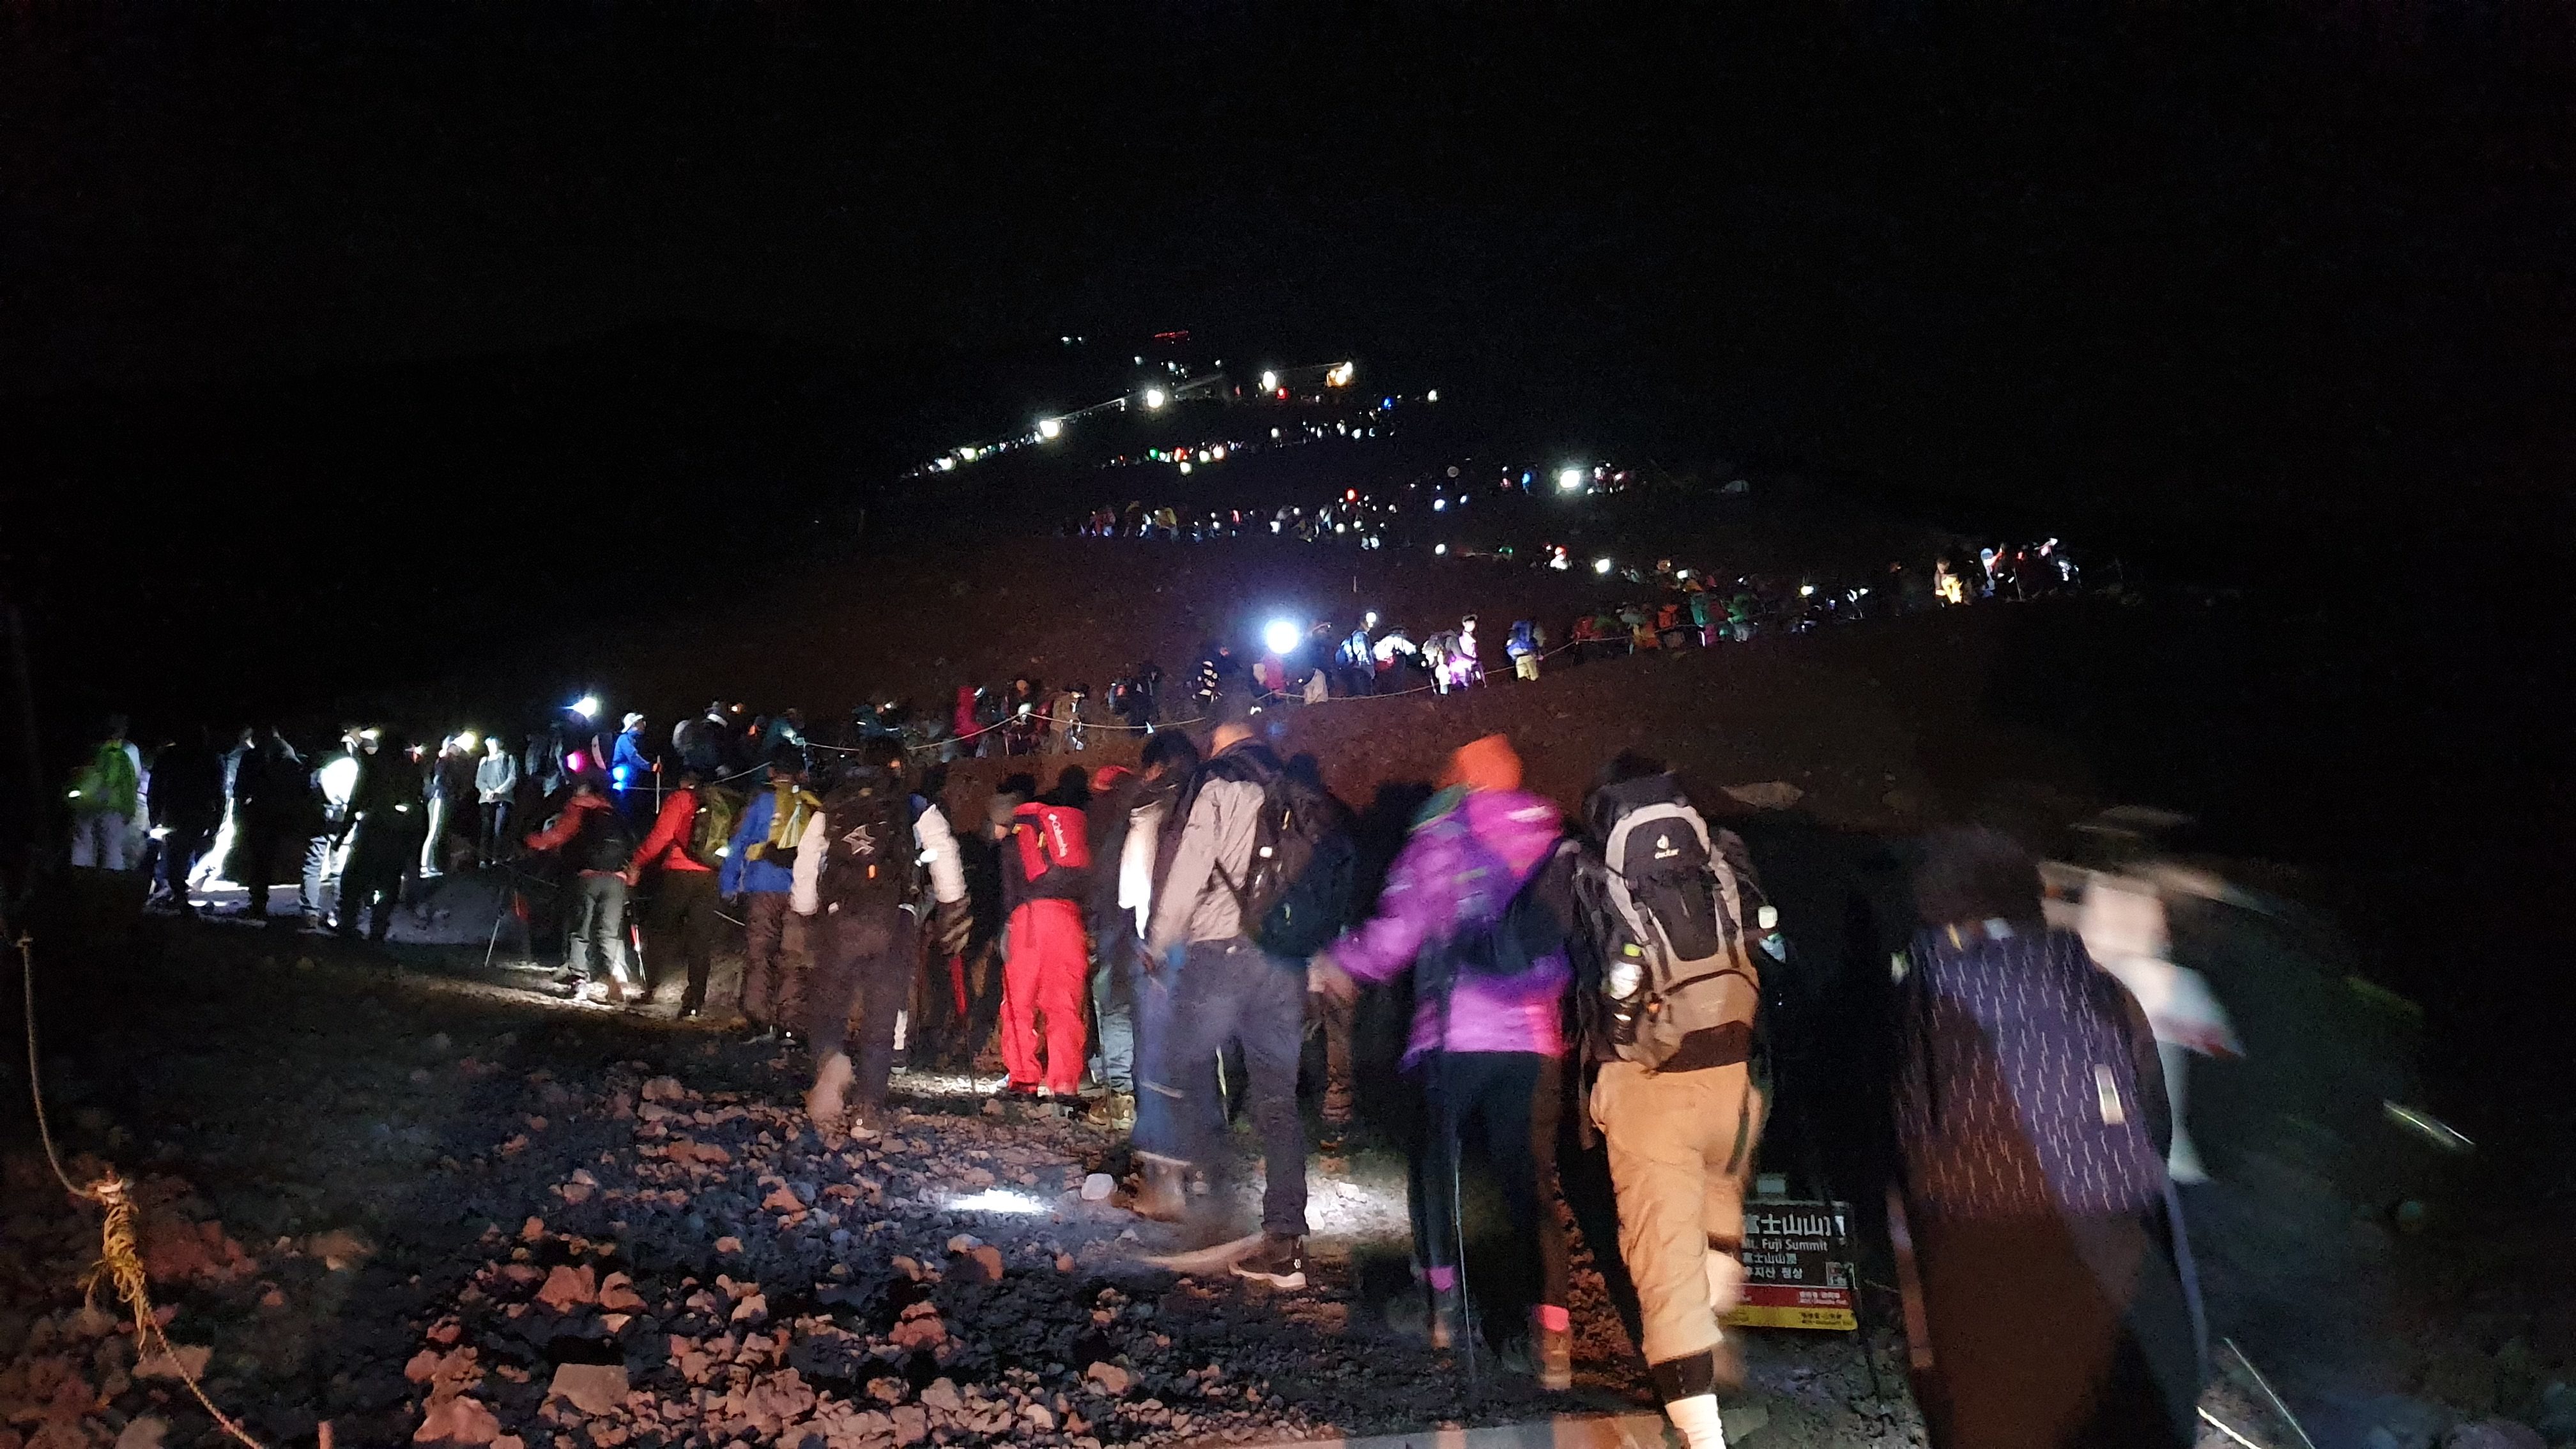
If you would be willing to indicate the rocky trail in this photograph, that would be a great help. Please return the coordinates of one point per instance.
(427, 1206)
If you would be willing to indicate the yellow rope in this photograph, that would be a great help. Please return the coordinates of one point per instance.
(120, 1265)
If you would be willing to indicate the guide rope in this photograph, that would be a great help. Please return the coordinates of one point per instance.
(120, 1264)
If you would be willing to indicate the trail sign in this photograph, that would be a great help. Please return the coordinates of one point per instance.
(1797, 1266)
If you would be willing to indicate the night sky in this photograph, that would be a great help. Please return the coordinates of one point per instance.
(2248, 288)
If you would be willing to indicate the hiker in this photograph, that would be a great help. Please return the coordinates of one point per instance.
(270, 800)
(630, 766)
(1667, 917)
(782, 741)
(1466, 662)
(2122, 920)
(1067, 713)
(1435, 658)
(1235, 940)
(1126, 821)
(451, 790)
(104, 795)
(595, 846)
(496, 786)
(1487, 1046)
(1358, 663)
(686, 845)
(1525, 646)
(701, 742)
(858, 874)
(1046, 875)
(1389, 652)
(333, 778)
(387, 817)
(759, 871)
(187, 803)
(2032, 1131)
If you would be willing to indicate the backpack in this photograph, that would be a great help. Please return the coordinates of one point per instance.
(605, 842)
(711, 834)
(1523, 641)
(869, 857)
(1530, 928)
(1054, 844)
(107, 785)
(1303, 876)
(792, 808)
(1665, 906)
(2019, 1091)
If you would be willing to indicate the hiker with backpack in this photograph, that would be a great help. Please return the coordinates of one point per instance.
(1046, 873)
(1258, 878)
(104, 794)
(386, 816)
(595, 846)
(859, 877)
(2040, 1247)
(759, 871)
(685, 846)
(1668, 917)
(1526, 646)
(1487, 1045)
(1126, 817)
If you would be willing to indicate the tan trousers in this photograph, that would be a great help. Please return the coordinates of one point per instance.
(1681, 1148)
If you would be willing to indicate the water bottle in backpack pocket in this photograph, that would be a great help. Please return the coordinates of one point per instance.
(1666, 906)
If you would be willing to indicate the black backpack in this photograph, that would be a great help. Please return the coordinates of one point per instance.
(868, 857)
(604, 842)
(1304, 873)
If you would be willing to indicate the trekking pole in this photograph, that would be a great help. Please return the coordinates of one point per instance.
(500, 908)
(1457, 1194)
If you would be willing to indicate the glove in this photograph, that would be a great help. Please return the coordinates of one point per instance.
(950, 926)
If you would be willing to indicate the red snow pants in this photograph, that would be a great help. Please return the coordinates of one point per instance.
(1046, 976)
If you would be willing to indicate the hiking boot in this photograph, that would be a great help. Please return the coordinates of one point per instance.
(1162, 1195)
(1726, 1363)
(1016, 1092)
(826, 1102)
(1434, 1316)
(1545, 1354)
(1119, 1112)
(1279, 1262)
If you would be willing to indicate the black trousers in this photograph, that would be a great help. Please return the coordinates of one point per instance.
(862, 963)
(684, 918)
(261, 842)
(1507, 1103)
(374, 878)
(180, 853)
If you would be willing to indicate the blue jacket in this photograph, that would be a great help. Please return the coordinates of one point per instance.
(759, 877)
(638, 765)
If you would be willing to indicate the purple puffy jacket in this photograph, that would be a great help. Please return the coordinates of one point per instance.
(1460, 868)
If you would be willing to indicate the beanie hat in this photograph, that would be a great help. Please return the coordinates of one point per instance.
(1486, 764)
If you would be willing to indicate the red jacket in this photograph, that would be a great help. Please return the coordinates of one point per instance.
(568, 824)
(668, 845)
